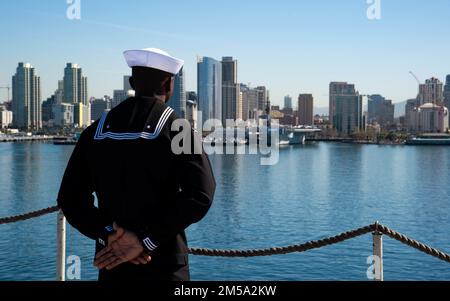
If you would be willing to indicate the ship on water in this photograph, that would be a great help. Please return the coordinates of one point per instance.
(430, 139)
(67, 140)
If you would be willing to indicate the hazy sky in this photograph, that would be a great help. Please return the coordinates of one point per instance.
(291, 46)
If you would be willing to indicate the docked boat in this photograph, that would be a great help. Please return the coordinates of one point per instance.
(430, 139)
(65, 140)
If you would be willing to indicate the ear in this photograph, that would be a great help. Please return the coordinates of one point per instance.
(131, 80)
(168, 85)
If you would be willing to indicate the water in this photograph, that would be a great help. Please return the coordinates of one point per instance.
(315, 191)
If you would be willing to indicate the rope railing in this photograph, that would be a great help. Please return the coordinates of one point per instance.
(27, 216)
(315, 244)
(376, 229)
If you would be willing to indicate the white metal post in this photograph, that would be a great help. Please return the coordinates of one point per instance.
(61, 248)
(378, 255)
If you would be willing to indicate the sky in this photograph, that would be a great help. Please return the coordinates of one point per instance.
(290, 46)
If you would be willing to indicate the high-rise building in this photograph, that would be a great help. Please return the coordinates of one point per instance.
(209, 88)
(100, 106)
(75, 85)
(346, 112)
(288, 102)
(431, 92)
(47, 105)
(26, 101)
(81, 115)
(240, 111)
(63, 114)
(337, 89)
(191, 113)
(118, 97)
(249, 102)
(409, 108)
(381, 110)
(178, 99)
(263, 100)
(305, 109)
(230, 90)
(47, 110)
(59, 93)
(126, 83)
(243, 91)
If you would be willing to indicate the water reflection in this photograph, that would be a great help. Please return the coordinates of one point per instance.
(314, 191)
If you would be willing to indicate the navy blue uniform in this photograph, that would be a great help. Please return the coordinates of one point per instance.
(125, 158)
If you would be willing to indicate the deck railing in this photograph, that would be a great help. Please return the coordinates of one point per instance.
(377, 230)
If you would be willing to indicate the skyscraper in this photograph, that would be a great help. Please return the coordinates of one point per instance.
(336, 88)
(230, 89)
(26, 101)
(126, 83)
(47, 110)
(244, 101)
(288, 102)
(431, 92)
(345, 108)
(100, 106)
(409, 109)
(178, 99)
(118, 97)
(209, 88)
(75, 85)
(249, 102)
(305, 109)
(263, 102)
(191, 113)
(381, 110)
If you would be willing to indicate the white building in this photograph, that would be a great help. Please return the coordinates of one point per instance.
(430, 118)
(81, 115)
(63, 114)
(192, 113)
(5, 119)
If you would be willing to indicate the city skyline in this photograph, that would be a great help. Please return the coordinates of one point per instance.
(443, 86)
(303, 63)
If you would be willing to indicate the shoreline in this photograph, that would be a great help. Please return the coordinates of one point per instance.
(13, 139)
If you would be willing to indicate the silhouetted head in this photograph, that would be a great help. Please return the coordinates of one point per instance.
(150, 82)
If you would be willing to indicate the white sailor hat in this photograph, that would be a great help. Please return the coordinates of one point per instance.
(153, 58)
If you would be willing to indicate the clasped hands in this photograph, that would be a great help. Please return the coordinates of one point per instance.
(123, 246)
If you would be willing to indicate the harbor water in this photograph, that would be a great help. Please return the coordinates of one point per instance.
(316, 190)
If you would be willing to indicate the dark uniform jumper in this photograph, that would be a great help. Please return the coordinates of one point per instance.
(125, 158)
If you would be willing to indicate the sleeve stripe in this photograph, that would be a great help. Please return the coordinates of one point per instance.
(149, 244)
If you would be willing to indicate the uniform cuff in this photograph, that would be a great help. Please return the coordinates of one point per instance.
(103, 237)
(148, 243)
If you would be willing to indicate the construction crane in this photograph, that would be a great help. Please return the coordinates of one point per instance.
(417, 79)
(8, 89)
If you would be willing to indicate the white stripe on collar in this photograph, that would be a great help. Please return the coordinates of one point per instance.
(100, 135)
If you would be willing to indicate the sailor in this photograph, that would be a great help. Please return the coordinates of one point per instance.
(147, 194)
